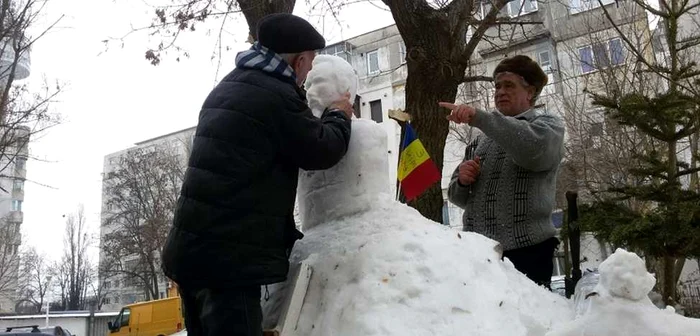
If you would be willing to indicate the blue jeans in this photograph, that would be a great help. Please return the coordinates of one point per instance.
(222, 312)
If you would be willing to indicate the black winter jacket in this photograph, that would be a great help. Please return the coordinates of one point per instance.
(234, 221)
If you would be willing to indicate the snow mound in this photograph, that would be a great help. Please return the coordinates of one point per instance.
(624, 275)
(330, 77)
(620, 305)
(380, 268)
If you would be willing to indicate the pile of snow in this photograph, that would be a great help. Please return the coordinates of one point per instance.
(620, 305)
(380, 268)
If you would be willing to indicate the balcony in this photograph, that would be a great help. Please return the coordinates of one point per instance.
(7, 59)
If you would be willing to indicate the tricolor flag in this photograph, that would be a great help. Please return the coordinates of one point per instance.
(417, 171)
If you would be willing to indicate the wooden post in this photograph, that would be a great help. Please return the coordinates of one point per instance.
(574, 232)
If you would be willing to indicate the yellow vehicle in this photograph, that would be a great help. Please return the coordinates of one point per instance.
(151, 318)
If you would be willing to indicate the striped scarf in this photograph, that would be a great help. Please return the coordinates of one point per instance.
(260, 58)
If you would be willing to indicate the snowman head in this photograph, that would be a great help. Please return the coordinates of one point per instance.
(329, 79)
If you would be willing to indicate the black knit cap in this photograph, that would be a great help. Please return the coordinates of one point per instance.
(288, 34)
(525, 67)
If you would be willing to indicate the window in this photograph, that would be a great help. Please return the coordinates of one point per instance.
(340, 50)
(116, 299)
(20, 163)
(617, 53)
(116, 283)
(578, 6)
(16, 205)
(107, 284)
(545, 60)
(586, 56)
(375, 107)
(402, 52)
(602, 55)
(373, 62)
(17, 185)
(521, 7)
(105, 301)
(124, 321)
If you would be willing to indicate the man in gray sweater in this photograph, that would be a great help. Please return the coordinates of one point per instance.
(506, 184)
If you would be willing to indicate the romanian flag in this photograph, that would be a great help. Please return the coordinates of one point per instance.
(417, 171)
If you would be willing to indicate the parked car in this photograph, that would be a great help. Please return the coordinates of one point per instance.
(35, 330)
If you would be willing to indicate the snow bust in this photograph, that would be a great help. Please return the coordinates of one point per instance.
(379, 267)
(349, 187)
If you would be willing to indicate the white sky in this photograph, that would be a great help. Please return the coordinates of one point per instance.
(115, 99)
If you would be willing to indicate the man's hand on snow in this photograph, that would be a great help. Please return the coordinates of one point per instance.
(344, 105)
(461, 114)
(469, 171)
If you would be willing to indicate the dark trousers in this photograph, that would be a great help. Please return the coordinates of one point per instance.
(536, 261)
(222, 312)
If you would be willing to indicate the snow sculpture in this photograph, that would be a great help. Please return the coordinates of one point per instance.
(620, 304)
(350, 186)
(380, 268)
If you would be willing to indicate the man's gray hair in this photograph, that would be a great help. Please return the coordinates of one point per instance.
(524, 84)
(289, 58)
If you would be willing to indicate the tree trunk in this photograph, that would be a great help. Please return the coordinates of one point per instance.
(669, 286)
(254, 10)
(436, 67)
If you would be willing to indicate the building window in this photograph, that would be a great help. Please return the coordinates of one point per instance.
(545, 60)
(602, 55)
(617, 52)
(521, 7)
(578, 6)
(105, 301)
(586, 56)
(373, 62)
(340, 50)
(402, 52)
(20, 163)
(17, 185)
(107, 285)
(375, 108)
(16, 205)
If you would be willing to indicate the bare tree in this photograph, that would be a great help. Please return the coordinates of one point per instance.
(24, 112)
(141, 195)
(10, 276)
(36, 280)
(74, 271)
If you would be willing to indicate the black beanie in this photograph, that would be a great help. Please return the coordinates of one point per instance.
(525, 67)
(288, 34)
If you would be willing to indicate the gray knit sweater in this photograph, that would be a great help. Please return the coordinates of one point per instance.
(513, 197)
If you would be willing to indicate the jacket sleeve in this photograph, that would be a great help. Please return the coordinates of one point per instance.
(457, 193)
(536, 145)
(313, 143)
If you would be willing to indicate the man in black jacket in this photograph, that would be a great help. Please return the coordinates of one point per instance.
(234, 226)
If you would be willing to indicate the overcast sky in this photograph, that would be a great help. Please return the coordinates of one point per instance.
(113, 97)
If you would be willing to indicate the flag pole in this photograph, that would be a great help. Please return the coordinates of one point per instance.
(402, 118)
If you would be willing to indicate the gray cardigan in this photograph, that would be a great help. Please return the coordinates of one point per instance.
(513, 197)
